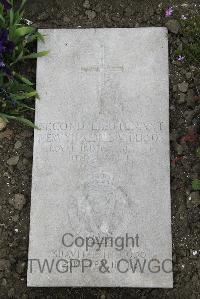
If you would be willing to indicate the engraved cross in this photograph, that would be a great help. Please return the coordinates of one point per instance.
(102, 68)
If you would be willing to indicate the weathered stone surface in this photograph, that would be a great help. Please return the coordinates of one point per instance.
(101, 160)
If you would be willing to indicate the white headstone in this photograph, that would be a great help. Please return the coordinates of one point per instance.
(100, 210)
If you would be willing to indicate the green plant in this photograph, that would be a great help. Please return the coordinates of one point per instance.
(191, 40)
(196, 185)
(16, 41)
(196, 182)
(198, 152)
(191, 51)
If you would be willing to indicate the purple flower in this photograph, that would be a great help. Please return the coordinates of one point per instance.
(2, 64)
(6, 4)
(181, 58)
(6, 46)
(169, 12)
(4, 68)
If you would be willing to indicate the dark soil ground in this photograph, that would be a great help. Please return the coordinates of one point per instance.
(16, 142)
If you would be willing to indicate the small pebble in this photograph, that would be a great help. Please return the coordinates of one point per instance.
(179, 149)
(90, 14)
(4, 265)
(182, 98)
(13, 161)
(20, 267)
(188, 75)
(66, 19)
(86, 4)
(188, 114)
(15, 218)
(173, 26)
(25, 161)
(18, 144)
(190, 98)
(4, 282)
(18, 201)
(183, 87)
(193, 254)
(175, 87)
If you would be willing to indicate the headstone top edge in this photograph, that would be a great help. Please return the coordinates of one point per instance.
(161, 28)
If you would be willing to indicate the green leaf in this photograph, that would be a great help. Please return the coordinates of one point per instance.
(198, 152)
(2, 18)
(22, 31)
(21, 13)
(27, 122)
(27, 107)
(36, 36)
(22, 5)
(23, 79)
(25, 95)
(23, 120)
(35, 55)
(18, 58)
(11, 14)
(1, 8)
(196, 185)
(17, 18)
(1, 80)
(4, 117)
(40, 36)
(17, 87)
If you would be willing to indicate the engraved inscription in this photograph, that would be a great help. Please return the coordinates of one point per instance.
(108, 140)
